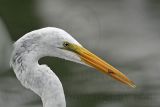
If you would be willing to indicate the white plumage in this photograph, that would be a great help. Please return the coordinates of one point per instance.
(40, 78)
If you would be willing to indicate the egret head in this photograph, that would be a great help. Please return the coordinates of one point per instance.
(62, 45)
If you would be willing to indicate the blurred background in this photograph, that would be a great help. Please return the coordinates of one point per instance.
(126, 33)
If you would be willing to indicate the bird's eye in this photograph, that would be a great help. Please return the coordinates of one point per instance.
(65, 44)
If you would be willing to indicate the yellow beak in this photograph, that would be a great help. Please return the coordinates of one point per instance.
(97, 63)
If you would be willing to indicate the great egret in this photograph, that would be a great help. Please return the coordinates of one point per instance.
(41, 79)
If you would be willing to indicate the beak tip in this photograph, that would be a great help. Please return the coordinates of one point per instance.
(132, 85)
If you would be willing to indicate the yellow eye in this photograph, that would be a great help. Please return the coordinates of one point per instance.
(66, 44)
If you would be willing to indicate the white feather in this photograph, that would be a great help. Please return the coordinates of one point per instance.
(40, 78)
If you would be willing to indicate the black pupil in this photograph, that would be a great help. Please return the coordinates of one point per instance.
(66, 44)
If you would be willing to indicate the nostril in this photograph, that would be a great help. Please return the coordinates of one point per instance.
(110, 71)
